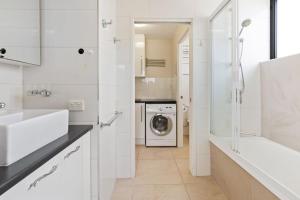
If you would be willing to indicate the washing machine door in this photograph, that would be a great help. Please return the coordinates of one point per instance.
(161, 125)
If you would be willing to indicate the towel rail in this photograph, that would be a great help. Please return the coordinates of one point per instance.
(111, 121)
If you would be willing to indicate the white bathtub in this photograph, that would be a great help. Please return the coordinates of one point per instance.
(275, 166)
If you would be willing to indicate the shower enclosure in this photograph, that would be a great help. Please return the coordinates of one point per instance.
(225, 74)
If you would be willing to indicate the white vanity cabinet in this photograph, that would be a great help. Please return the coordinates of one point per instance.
(140, 55)
(64, 177)
(140, 123)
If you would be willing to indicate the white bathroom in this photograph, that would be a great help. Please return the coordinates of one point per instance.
(148, 99)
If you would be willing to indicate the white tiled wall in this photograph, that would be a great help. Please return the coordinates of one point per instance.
(66, 73)
(108, 100)
(155, 88)
(280, 100)
(68, 25)
(127, 10)
(199, 107)
(11, 85)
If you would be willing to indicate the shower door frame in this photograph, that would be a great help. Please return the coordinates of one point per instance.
(235, 71)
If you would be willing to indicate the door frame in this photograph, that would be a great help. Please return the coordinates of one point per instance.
(194, 143)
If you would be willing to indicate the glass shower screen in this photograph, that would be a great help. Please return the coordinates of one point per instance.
(222, 72)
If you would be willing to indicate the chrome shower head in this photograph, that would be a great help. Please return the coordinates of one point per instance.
(245, 23)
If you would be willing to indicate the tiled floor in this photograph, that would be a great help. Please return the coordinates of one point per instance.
(163, 174)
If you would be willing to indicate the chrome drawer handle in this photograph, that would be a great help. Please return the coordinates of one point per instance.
(72, 152)
(34, 184)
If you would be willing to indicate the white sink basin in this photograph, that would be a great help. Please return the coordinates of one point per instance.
(24, 132)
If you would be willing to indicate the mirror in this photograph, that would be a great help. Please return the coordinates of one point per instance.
(20, 39)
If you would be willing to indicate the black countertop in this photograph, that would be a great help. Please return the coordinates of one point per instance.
(11, 175)
(156, 101)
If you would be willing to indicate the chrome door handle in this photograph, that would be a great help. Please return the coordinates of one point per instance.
(34, 184)
(105, 23)
(72, 152)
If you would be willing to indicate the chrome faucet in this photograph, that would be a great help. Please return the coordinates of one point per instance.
(2, 105)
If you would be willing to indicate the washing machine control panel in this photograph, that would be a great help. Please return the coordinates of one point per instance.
(161, 108)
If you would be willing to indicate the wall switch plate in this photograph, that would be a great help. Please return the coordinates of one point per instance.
(76, 105)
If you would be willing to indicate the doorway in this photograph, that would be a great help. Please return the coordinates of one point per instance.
(162, 65)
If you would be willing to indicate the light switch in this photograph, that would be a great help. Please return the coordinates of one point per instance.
(76, 105)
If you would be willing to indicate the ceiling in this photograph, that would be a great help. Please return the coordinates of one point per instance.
(158, 30)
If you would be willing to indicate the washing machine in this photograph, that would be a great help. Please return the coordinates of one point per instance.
(161, 125)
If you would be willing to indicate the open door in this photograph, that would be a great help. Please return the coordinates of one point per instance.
(183, 94)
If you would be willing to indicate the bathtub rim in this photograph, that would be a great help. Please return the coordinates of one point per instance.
(280, 190)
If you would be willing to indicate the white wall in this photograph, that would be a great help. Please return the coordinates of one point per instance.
(127, 10)
(11, 85)
(67, 26)
(280, 100)
(108, 86)
(256, 50)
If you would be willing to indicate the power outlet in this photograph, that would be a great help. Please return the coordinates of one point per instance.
(76, 105)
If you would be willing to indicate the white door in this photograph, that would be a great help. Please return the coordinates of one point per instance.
(183, 85)
(107, 98)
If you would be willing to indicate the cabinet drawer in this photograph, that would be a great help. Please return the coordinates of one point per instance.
(64, 177)
(38, 182)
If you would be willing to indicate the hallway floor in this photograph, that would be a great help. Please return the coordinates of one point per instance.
(163, 174)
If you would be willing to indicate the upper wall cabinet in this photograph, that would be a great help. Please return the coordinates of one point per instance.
(20, 39)
(140, 55)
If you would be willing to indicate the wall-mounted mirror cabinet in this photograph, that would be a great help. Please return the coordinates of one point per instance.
(20, 37)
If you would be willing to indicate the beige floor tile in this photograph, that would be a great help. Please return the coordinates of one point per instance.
(138, 149)
(122, 191)
(155, 154)
(206, 190)
(160, 192)
(144, 192)
(171, 192)
(181, 153)
(183, 166)
(185, 140)
(160, 175)
(157, 172)
(124, 182)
